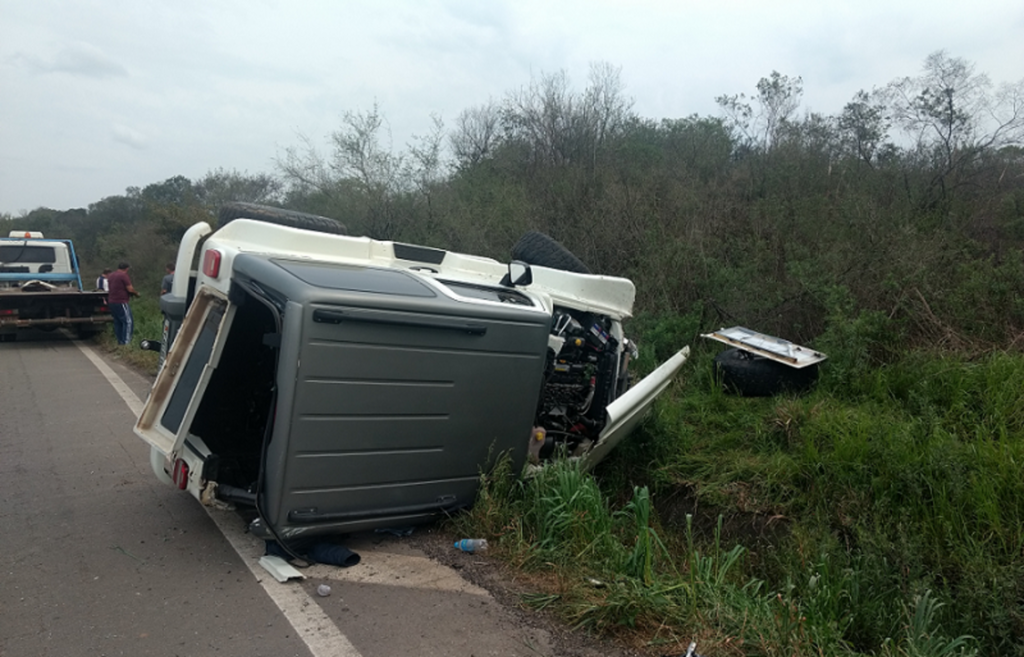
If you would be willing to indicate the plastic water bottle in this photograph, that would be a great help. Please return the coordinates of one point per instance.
(472, 544)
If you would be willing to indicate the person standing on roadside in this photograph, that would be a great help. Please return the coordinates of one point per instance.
(165, 285)
(101, 281)
(121, 291)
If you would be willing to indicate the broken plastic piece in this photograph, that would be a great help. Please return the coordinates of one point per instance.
(280, 569)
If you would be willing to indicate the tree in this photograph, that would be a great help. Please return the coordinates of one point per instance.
(177, 190)
(220, 186)
(476, 134)
(562, 127)
(777, 99)
(863, 127)
(953, 117)
(359, 165)
(425, 166)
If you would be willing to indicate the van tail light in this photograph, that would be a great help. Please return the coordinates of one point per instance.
(8, 311)
(180, 474)
(211, 263)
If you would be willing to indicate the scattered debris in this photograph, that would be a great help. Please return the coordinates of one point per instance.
(280, 569)
(472, 544)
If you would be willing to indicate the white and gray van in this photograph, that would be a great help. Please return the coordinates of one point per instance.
(339, 383)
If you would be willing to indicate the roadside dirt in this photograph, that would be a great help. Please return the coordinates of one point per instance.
(496, 578)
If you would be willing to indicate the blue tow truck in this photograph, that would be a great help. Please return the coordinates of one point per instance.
(41, 287)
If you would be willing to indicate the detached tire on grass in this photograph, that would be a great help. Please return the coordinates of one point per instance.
(271, 215)
(536, 248)
(751, 375)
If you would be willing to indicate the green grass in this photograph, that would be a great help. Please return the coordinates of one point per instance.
(148, 324)
(880, 516)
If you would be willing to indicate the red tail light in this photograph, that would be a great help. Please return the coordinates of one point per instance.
(180, 474)
(211, 263)
(8, 311)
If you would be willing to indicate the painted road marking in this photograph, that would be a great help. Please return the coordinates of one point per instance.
(314, 627)
(134, 404)
(317, 630)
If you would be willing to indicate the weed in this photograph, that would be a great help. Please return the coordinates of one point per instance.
(923, 637)
(909, 481)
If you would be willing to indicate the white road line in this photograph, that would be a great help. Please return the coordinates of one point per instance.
(314, 627)
(317, 630)
(134, 404)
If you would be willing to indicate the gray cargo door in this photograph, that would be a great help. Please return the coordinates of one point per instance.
(395, 412)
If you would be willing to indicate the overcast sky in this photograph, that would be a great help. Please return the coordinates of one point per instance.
(101, 95)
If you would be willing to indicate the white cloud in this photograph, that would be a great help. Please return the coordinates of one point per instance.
(81, 59)
(87, 60)
(133, 138)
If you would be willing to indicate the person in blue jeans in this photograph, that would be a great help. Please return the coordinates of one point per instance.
(121, 291)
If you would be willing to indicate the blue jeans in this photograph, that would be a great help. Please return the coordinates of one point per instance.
(123, 326)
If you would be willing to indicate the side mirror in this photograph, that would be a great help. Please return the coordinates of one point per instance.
(519, 274)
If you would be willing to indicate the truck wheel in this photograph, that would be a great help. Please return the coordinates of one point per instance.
(751, 375)
(536, 248)
(271, 215)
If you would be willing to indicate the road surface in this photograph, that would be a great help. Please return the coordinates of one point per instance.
(101, 559)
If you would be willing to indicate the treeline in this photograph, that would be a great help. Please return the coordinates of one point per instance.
(901, 216)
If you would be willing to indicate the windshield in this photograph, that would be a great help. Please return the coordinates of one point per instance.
(27, 253)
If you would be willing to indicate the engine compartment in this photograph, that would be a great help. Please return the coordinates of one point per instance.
(587, 368)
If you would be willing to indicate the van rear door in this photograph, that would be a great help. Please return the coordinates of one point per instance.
(182, 381)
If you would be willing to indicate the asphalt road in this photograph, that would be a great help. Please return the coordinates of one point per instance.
(102, 559)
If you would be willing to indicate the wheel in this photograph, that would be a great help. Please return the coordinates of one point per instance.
(538, 249)
(271, 215)
(751, 375)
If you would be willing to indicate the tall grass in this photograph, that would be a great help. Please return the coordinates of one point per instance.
(883, 516)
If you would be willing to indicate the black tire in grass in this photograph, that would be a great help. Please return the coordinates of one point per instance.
(271, 215)
(536, 248)
(750, 375)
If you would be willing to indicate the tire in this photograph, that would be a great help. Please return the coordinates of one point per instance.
(271, 215)
(538, 249)
(750, 375)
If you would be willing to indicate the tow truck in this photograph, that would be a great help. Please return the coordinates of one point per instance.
(41, 287)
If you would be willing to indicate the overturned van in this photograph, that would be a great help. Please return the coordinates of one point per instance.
(338, 383)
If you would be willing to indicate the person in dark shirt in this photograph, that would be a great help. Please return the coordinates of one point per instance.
(121, 291)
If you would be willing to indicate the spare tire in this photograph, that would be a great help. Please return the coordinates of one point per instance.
(751, 375)
(271, 215)
(536, 248)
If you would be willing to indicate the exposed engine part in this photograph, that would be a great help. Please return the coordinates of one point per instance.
(538, 442)
(581, 378)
